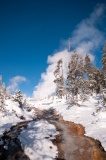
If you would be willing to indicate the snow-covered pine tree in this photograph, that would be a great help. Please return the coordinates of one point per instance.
(104, 74)
(18, 97)
(2, 96)
(88, 69)
(59, 79)
(80, 74)
(96, 80)
(88, 65)
(83, 83)
(104, 66)
(75, 76)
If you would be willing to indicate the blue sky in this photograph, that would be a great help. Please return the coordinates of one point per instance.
(32, 30)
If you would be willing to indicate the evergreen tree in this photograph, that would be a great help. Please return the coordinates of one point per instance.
(2, 97)
(71, 76)
(104, 74)
(18, 97)
(59, 79)
(104, 66)
(88, 65)
(88, 70)
(75, 76)
(96, 80)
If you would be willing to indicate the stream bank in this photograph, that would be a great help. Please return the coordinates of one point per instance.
(11, 148)
(84, 148)
(71, 142)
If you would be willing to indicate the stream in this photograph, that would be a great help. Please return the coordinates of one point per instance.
(71, 142)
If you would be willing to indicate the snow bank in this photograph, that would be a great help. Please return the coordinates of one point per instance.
(11, 116)
(13, 107)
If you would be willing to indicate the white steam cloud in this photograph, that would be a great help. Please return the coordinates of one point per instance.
(86, 38)
(14, 83)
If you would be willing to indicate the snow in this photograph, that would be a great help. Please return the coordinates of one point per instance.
(90, 114)
(11, 116)
(12, 106)
(87, 115)
(36, 140)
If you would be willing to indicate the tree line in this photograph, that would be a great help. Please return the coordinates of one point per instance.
(83, 78)
(5, 94)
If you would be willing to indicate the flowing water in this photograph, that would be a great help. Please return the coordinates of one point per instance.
(72, 144)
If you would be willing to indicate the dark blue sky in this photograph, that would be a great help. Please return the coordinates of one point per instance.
(30, 30)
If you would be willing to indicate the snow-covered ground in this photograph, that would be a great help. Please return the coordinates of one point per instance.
(87, 115)
(11, 116)
(33, 139)
(36, 140)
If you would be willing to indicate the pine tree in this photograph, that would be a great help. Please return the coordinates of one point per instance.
(104, 66)
(75, 76)
(104, 74)
(88, 69)
(88, 65)
(71, 76)
(18, 97)
(59, 79)
(96, 80)
(2, 97)
(82, 83)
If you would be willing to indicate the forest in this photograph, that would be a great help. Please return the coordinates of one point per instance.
(83, 78)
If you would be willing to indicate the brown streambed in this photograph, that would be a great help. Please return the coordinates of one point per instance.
(77, 146)
(71, 142)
